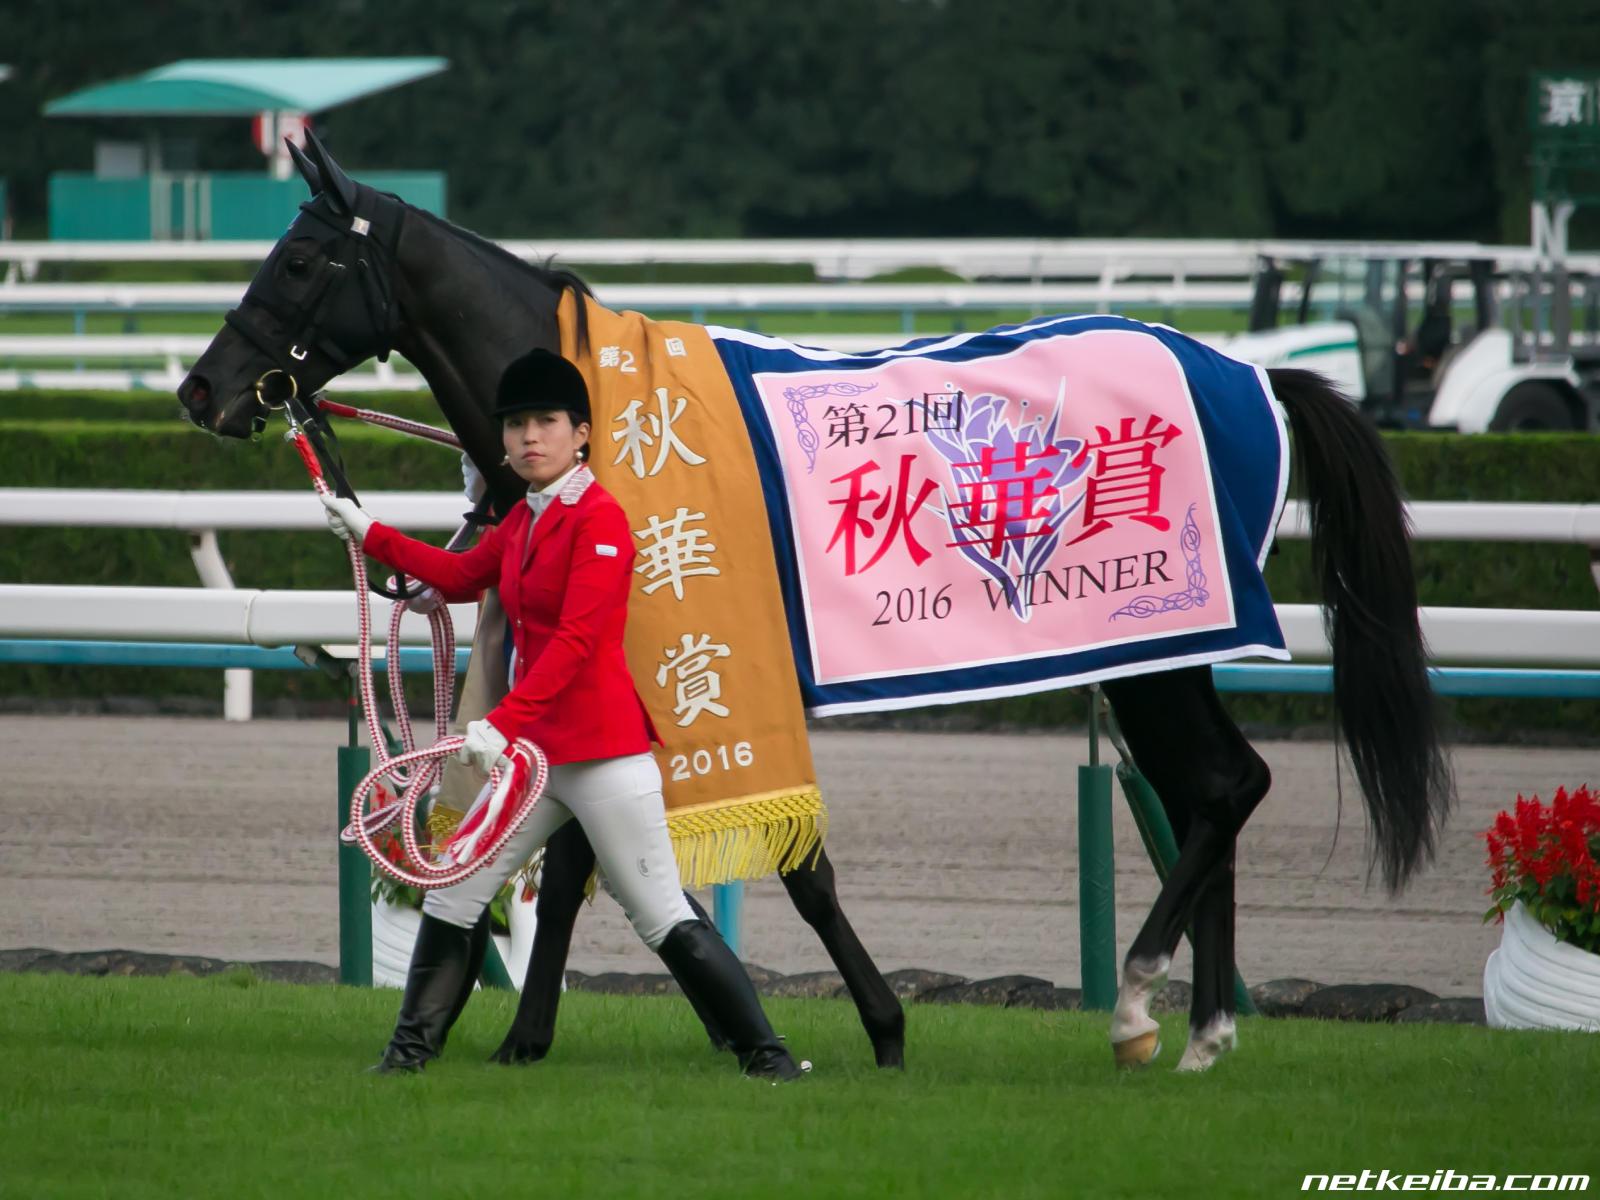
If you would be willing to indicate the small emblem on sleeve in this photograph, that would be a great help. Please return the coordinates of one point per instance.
(605, 551)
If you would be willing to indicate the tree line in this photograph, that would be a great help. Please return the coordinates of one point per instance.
(601, 118)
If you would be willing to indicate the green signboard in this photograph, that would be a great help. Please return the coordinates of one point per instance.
(1564, 112)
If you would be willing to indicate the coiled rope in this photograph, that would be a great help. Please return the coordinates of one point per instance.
(503, 805)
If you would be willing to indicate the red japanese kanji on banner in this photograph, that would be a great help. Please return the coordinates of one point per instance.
(1001, 507)
(852, 524)
(1125, 480)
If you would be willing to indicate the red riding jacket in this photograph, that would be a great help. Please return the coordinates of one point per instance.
(564, 584)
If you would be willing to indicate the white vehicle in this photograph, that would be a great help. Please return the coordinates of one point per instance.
(1471, 338)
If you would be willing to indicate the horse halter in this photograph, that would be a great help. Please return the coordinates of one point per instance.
(361, 241)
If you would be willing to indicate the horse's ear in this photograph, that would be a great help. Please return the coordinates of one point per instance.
(339, 187)
(307, 168)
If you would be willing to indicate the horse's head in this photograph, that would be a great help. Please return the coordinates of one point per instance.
(322, 302)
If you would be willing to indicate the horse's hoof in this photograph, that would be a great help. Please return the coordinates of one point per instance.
(1137, 1051)
(890, 1055)
(518, 1054)
(1208, 1044)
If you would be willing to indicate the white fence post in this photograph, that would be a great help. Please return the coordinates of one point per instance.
(237, 683)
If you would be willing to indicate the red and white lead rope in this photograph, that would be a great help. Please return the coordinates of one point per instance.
(388, 421)
(502, 807)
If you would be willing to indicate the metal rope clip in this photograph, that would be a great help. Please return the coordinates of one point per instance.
(294, 389)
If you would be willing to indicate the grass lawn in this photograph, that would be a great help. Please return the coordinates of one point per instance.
(228, 1087)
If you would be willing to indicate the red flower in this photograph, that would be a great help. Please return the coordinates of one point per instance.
(1537, 846)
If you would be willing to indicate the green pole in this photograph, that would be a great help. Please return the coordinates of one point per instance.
(1150, 818)
(1162, 846)
(355, 873)
(1097, 901)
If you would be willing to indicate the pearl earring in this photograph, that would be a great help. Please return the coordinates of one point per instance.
(506, 461)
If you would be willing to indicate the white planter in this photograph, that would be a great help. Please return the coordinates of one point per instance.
(519, 947)
(1534, 981)
(394, 933)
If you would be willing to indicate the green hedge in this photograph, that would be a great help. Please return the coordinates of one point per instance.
(112, 447)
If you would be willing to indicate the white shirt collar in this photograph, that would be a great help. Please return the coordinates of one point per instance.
(541, 499)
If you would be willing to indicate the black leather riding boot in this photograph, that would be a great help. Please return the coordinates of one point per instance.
(441, 970)
(719, 1041)
(717, 985)
(477, 951)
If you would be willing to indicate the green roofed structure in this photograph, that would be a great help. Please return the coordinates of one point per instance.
(132, 195)
(242, 87)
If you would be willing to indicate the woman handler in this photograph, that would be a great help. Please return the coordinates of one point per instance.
(563, 563)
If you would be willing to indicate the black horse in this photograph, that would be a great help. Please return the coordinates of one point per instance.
(361, 273)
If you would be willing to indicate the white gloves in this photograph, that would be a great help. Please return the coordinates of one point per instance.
(424, 602)
(483, 747)
(472, 483)
(346, 518)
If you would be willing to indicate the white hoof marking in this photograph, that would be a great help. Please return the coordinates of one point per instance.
(1209, 1044)
(1141, 979)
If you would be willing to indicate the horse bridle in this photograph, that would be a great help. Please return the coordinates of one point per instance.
(304, 322)
(377, 300)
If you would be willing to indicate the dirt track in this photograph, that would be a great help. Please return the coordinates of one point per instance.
(955, 852)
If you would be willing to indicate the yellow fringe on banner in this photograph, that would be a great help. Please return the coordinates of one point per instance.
(442, 822)
(747, 839)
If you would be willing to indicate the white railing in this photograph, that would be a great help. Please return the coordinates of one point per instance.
(178, 353)
(695, 298)
(831, 258)
(221, 612)
(854, 258)
(200, 513)
(250, 616)
(230, 616)
(67, 380)
(172, 355)
(1471, 521)
(1063, 274)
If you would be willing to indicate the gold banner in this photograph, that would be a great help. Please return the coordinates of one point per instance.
(707, 642)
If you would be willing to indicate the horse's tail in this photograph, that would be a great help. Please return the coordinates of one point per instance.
(1361, 553)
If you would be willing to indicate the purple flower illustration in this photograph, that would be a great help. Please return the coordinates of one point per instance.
(1005, 525)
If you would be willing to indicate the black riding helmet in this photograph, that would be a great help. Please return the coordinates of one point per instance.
(542, 382)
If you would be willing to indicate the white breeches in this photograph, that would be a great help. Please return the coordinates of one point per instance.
(618, 803)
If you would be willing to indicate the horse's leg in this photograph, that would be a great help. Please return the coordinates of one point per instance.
(1211, 1014)
(812, 891)
(1135, 1035)
(568, 861)
(1209, 780)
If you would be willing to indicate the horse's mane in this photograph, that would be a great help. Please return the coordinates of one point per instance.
(557, 279)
